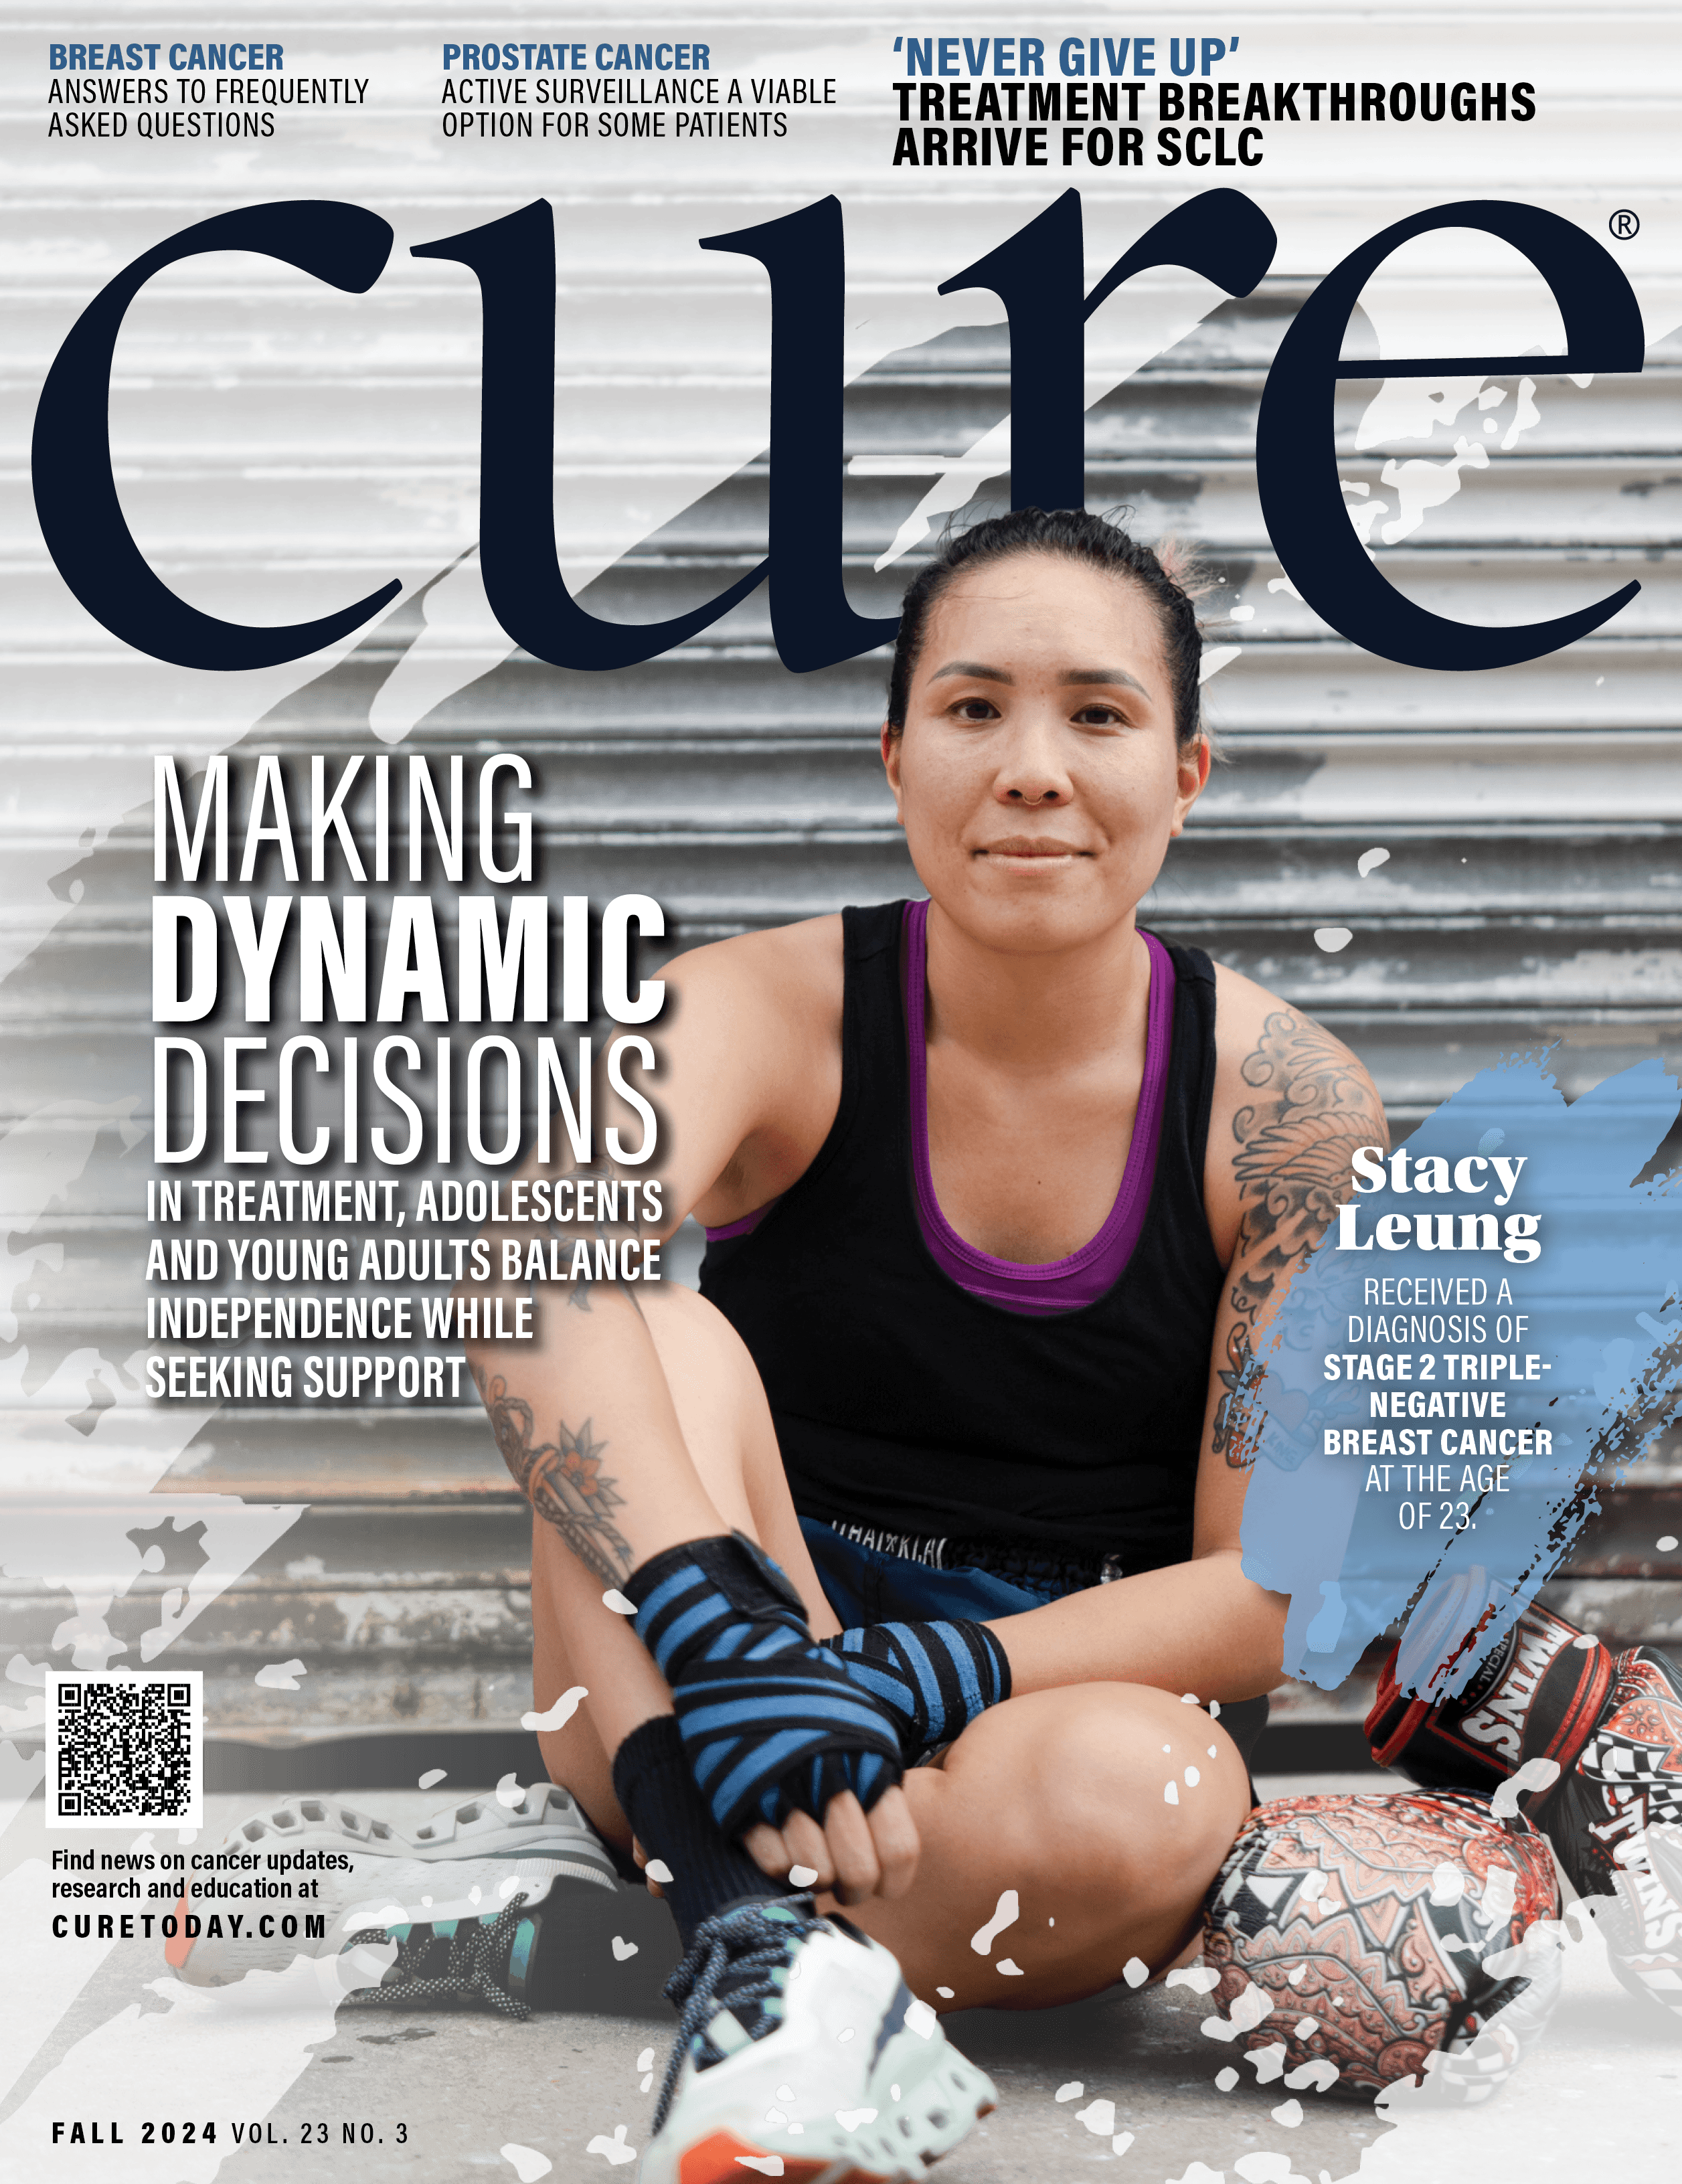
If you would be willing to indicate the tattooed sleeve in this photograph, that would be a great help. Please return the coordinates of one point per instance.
(1312, 1107)
(563, 1481)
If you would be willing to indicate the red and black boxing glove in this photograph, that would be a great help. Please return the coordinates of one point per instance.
(1360, 1940)
(1598, 1739)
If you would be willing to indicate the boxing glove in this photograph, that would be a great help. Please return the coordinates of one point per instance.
(1360, 1940)
(1595, 1738)
(1519, 1724)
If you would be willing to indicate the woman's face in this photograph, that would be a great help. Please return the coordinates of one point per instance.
(1038, 778)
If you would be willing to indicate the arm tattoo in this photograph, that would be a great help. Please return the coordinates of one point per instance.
(1313, 1107)
(563, 1482)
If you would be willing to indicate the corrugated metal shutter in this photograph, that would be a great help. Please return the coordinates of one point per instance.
(1531, 818)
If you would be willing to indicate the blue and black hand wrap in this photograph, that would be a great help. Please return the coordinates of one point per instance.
(771, 1722)
(934, 1679)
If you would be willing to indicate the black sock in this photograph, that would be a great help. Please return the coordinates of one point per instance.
(602, 1949)
(674, 1823)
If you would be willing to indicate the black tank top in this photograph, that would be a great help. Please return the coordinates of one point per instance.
(904, 1402)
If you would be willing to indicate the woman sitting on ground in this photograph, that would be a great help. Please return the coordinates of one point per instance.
(998, 1188)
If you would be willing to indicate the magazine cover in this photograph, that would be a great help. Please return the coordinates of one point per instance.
(840, 1087)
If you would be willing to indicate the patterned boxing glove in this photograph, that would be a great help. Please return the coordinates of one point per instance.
(1357, 1942)
(771, 1722)
(1597, 1738)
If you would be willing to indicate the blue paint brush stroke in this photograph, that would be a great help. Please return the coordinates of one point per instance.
(1611, 1268)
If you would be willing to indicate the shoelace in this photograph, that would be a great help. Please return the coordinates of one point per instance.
(478, 1956)
(747, 1947)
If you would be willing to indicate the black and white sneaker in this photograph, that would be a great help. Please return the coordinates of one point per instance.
(802, 2054)
(456, 1909)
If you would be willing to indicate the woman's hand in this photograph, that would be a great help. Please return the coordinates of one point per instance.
(855, 1853)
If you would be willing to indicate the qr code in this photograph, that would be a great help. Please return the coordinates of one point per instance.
(125, 1750)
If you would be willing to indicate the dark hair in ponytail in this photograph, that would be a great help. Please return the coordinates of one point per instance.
(1167, 576)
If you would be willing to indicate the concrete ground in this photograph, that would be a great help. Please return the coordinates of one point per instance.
(432, 2097)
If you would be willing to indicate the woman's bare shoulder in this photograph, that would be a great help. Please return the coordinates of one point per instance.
(751, 1034)
(1292, 1102)
(791, 974)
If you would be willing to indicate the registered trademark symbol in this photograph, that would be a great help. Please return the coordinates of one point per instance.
(1624, 225)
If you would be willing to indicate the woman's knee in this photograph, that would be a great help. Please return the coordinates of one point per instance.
(1059, 1800)
(1156, 1767)
(1117, 1782)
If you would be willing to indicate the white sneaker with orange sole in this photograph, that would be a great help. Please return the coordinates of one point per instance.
(801, 2053)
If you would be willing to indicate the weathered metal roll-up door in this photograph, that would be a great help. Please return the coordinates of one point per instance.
(1440, 866)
